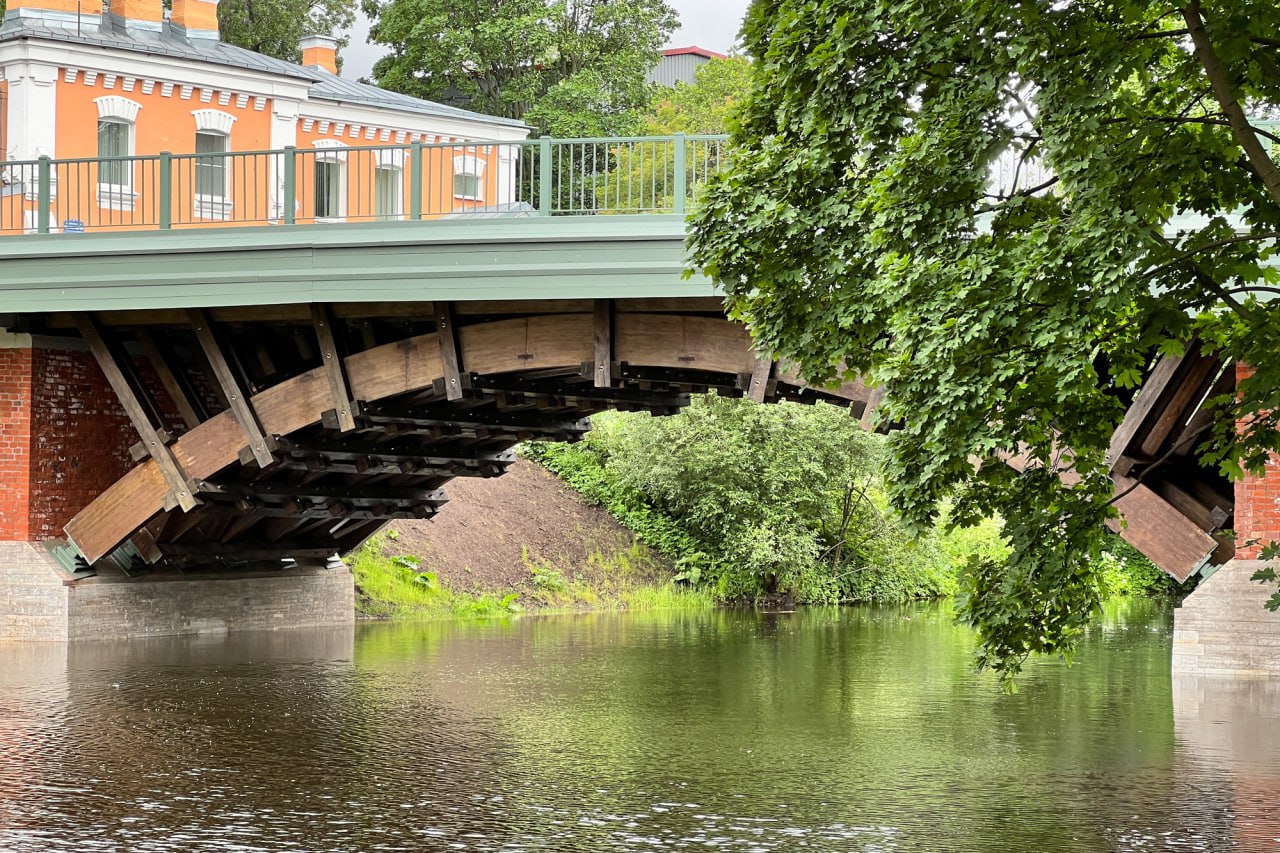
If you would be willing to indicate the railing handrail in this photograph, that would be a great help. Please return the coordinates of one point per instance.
(425, 146)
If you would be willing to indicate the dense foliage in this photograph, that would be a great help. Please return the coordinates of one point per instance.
(975, 203)
(756, 500)
(275, 27)
(569, 67)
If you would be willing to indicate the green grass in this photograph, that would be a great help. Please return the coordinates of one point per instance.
(400, 587)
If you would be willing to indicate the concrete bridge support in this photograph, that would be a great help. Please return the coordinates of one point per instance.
(64, 438)
(1223, 629)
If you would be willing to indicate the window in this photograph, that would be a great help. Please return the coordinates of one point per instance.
(467, 173)
(211, 172)
(113, 141)
(386, 193)
(328, 189)
(466, 186)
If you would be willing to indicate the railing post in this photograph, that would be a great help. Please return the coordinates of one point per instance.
(545, 206)
(166, 190)
(289, 203)
(43, 193)
(682, 179)
(415, 178)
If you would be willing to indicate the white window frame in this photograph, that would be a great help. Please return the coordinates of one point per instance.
(471, 166)
(393, 162)
(331, 151)
(205, 206)
(118, 110)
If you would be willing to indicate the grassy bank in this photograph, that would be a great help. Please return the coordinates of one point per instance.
(397, 585)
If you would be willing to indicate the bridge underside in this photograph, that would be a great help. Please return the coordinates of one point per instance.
(281, 435)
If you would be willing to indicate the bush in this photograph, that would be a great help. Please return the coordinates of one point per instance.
(752, 500)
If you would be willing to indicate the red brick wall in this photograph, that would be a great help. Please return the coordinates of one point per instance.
(15, 437)
(63, 439)
(1257, 510)
(80, 439)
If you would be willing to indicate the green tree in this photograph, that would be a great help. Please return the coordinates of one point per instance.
(706, 105)
(640, 175)
(274, 27)
(569, 67)
(859, 230)
(755, 500)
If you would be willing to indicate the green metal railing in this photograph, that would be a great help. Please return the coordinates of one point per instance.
(415, 181)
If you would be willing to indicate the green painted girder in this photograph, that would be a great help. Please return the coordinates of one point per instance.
(579, 257)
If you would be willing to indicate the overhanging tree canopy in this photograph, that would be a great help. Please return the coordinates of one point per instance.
(860, 228)
(571, 67)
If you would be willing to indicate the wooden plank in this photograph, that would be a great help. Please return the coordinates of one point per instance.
(178, 391)
(1147, 398)
(450, 358)
(237, 400)
(334, 369)
(603, 340)
(179, 489)
(760, 376)
(1191, 385)
(1158, 530)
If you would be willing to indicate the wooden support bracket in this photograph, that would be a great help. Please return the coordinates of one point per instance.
(449, 354)
(334, 370)
(237, 400)
(186, 401)
(603, 334)
(175, 478)
(758, 390)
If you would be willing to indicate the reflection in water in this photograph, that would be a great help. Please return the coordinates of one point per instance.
(851, 730)
(1228, 731)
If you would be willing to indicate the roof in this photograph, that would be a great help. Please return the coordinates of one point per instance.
(696, 51)
(168, 43)
(171, 42)
(331, 87)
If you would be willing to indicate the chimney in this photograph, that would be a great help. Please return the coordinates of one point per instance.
(195, 19)
(137, 16)
(320, 52)
(56, 13)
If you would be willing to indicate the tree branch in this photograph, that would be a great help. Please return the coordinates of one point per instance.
(1223, 91)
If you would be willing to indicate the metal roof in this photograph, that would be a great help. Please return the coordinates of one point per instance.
(172, 42)
(331, 87)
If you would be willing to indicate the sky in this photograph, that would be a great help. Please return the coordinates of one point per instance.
(712, 24)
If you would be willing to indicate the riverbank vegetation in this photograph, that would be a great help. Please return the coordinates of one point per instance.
(726, 502)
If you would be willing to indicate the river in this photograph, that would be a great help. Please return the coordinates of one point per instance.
(841, 730)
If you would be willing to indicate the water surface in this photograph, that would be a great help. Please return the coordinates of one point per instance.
(841, 730)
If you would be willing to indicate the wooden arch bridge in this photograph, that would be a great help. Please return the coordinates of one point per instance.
(294, 385)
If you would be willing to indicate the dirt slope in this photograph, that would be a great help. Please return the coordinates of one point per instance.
(494, 531)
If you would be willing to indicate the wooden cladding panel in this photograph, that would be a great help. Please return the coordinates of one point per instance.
(683, 343)
(1157, 529)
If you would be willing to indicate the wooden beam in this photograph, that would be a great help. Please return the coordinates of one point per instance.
(760, 376)
(334, 369)
(237, 400)
(450, 358)
(178, 390)
(603, 334)
(1192, 385)
(175, 478)
(1147, 398)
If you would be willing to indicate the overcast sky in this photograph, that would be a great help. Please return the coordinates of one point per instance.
(712, 24)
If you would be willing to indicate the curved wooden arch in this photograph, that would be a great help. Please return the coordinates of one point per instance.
(510, 347)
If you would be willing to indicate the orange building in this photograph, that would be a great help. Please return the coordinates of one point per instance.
(152, 120)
